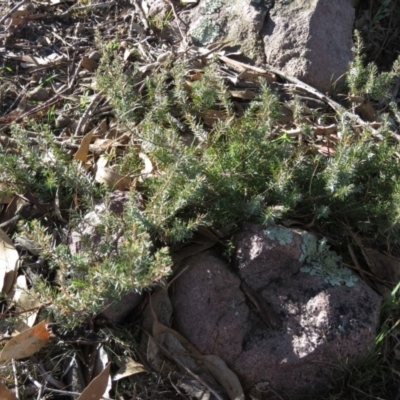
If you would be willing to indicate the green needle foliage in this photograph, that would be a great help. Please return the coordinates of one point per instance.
(239, 168)
(214, 164)
(364, 80)
(42, 167)
(104, 269)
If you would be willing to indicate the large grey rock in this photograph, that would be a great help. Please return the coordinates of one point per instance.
(238, 21)
(310, 40)
(325, 318)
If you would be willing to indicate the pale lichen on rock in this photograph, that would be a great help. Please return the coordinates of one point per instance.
(205, 31)
(212, 6)
(282, 235)
(320, 261)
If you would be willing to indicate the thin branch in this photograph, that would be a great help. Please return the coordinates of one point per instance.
(14, 368)
(309, 89)
(68, 393)
(189, 371)
(92, 106)
(15, 8)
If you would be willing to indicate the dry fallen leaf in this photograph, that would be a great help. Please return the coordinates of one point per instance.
(6, 394)
(164, 57)
(156, 360)
(110, 178)
(177, 348)
(148, 166)
(24, 300)
(128, 53)
(324, 150)
(97, 387)
(325, 130)
(17, 204)
(28, 61)
(127, 367)
(100, 360)
(211, 117)
(113, 180)
(26, 343)
(149, 67)
(161, 306)
(9, 262)
(82, 153)
(103, 145)
(164, 335)
(386, 268)
(224, 376)
(255, 77)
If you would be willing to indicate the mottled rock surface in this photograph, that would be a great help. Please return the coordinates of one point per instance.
(310, 40)
(238, 21)
(321, 324)
(209, 307)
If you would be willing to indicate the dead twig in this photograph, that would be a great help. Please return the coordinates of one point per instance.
(13, 314)
(178, 20)
(92, 106)
(309, 89)
(14, 368)
(216, 47)
(65, 392)
(15, 8)
(189, 371)
(91, 6)
(141, 13)
(36, 109)
(11, 221)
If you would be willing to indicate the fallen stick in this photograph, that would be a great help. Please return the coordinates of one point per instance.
(309, 89)
(15, 8)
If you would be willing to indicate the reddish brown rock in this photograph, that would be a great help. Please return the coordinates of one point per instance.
(117, 310)
(209, 308)
(321, 325)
